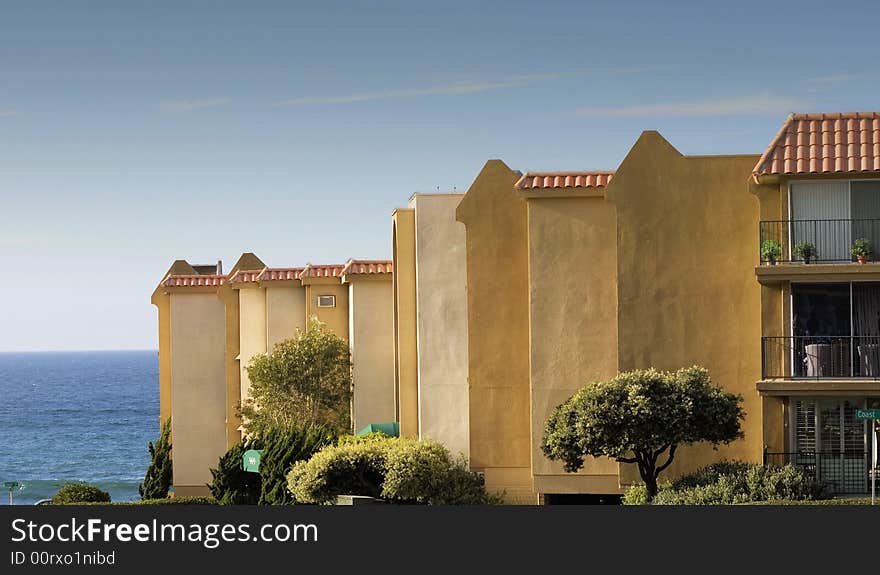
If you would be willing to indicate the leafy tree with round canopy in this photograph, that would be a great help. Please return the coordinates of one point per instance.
(302, 381)
(638, 416)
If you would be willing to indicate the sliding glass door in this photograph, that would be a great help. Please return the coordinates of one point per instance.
(830, 442)
(821, 215)
(836, 330)
(832, 214)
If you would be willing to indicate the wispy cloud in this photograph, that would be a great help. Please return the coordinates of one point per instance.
(454, 89)
(760, 104)
(176, 106)
(8, 112)
(834, 78)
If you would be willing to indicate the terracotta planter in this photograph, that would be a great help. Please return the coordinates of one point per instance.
(862, 259)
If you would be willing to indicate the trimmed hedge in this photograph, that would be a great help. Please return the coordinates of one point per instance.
(731, 483)
(349, 468)
(163, 501)
(399, 470)
(80, 492)
(855, 501)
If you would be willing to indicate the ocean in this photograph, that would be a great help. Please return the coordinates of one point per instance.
(77, 416)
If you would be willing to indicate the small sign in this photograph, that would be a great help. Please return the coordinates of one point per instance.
(250, 461)
(868, 414)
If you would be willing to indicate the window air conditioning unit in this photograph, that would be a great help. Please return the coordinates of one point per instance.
(326, 301)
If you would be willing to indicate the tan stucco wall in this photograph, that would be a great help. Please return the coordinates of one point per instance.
(498, 330)
(252, 316)
(198, 382)
(573, 319)
(229, 296)
(687, 231)
(285, 311)
(441, 304)
(335, 318)
(405, 352)
(371, 336)
(162, 301)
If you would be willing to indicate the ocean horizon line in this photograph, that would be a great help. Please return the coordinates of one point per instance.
(120, 350)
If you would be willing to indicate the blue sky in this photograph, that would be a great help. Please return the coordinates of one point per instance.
(132, 134)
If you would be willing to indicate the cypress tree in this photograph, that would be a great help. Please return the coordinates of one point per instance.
(157, 480)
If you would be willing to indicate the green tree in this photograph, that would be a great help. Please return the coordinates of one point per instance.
(282, 447)
(303, 381)
(157, 480)
(641, 416)
(232, 485)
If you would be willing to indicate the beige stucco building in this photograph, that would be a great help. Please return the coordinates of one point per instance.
(212, 324)
(574, 276)
(431, 323)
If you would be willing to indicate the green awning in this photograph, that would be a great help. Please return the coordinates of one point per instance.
(391, 429)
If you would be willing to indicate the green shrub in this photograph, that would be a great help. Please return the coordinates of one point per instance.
(282, 447)
(636, 495)
(73, 493)
(232, 485)
(177, 501)
(405, 471)
(163, 501)
(730, 483)
(157, 480)
(710, 474)
(853, 501)
(425, 472)
(350, 468)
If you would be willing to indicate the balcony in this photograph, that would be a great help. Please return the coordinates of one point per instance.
(820, 357)
(831, 238)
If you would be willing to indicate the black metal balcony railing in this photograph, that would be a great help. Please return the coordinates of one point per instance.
(831, 238)
(819, 357)
(841, 472)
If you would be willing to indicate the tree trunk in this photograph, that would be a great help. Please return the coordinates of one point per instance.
(650, 484)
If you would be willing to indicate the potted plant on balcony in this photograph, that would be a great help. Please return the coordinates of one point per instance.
(770, 251)
(806, 251)
(861, 248)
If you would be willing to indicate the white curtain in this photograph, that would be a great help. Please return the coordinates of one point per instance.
(813, 204)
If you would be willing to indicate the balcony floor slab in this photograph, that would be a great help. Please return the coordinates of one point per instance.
(819, 387)
(782, 272)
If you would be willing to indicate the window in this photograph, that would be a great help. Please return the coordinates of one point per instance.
(830, 214)
(326, 301)
(836, 330)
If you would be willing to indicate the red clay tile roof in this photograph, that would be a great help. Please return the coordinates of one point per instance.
(322, 271)
(214, 280)
(279, 274)
(368, 267)
(544, 180)
(824, 143)
(244, 276)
